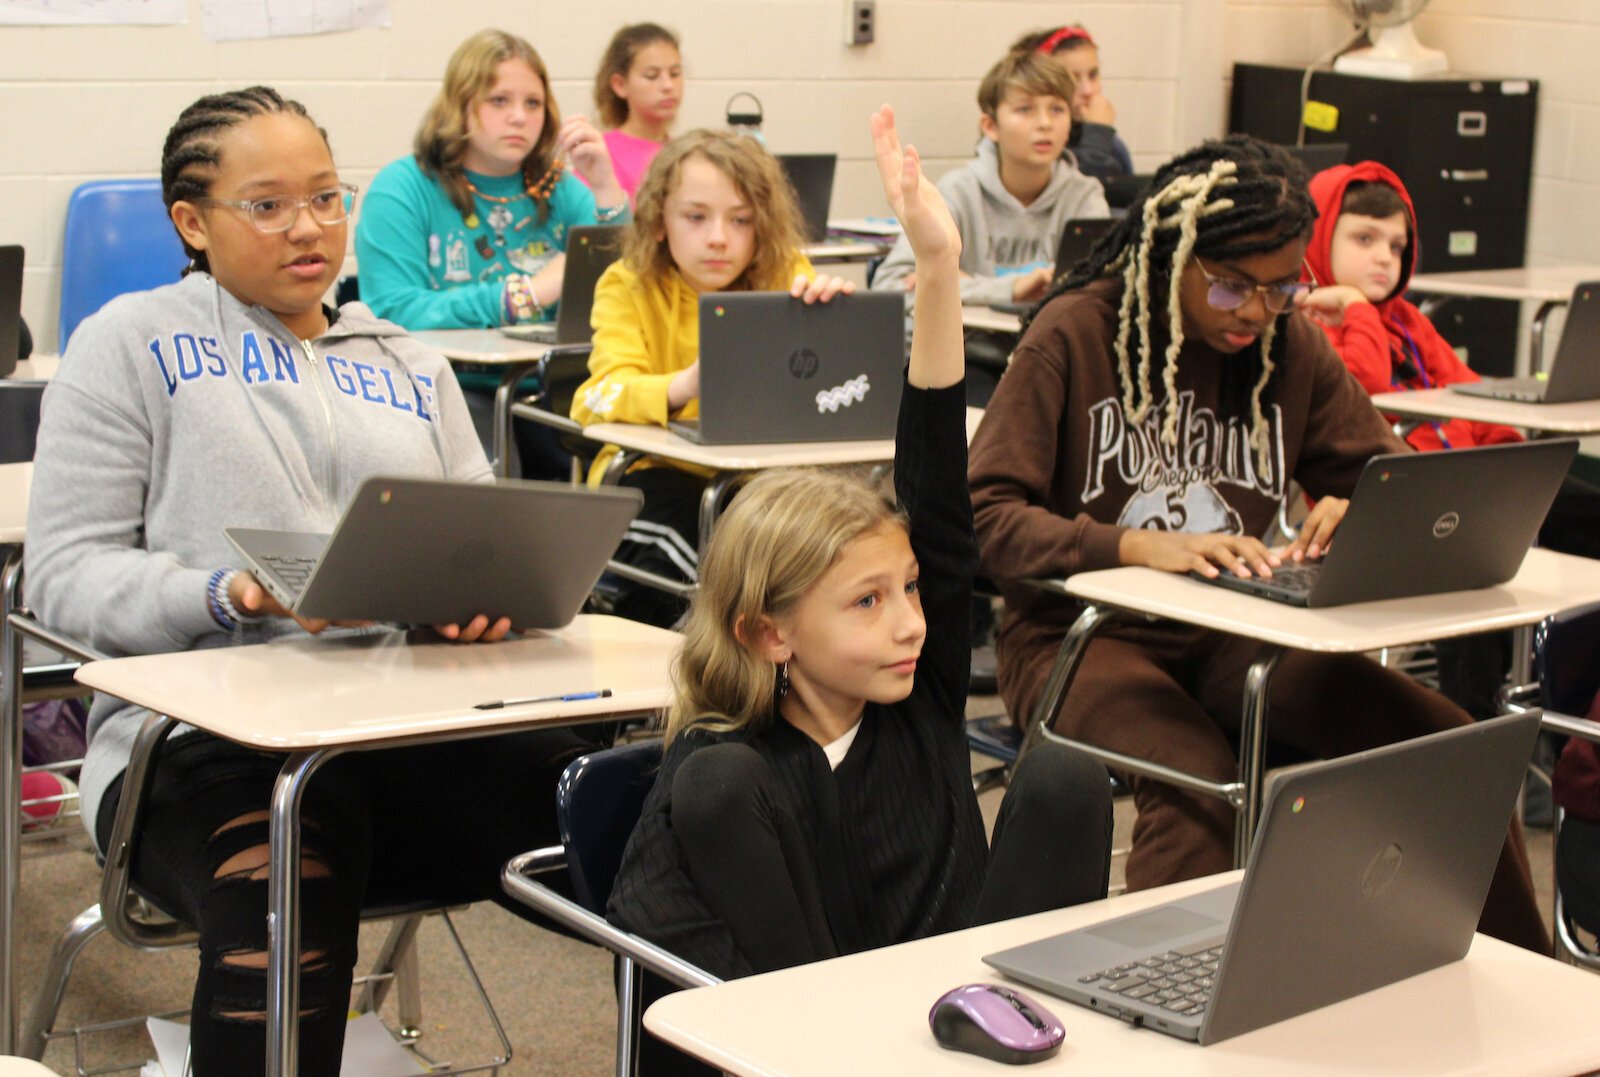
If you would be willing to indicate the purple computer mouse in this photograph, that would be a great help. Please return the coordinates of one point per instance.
(996, 1022)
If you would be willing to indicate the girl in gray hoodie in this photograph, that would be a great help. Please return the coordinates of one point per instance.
(234, 397)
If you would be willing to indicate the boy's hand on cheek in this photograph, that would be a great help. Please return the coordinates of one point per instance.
(1099, 110)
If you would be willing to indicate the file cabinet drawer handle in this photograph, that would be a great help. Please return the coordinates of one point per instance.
(1472, 124)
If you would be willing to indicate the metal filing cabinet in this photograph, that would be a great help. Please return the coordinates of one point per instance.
(1463, 147)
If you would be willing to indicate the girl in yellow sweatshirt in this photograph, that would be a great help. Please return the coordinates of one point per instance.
(714, 214)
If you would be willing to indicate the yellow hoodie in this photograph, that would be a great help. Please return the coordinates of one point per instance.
(643, 335)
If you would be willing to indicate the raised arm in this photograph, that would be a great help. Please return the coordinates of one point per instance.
(937, 356)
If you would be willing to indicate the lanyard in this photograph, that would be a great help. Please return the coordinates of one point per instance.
(1422, 372)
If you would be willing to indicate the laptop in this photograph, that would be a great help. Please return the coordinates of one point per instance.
(427, 551)
(590, 251)
(1078, 238)
(1365, 870)
(1426, 523)
(811, 176)
(774, 370)
(1575, 370)
(10, 308)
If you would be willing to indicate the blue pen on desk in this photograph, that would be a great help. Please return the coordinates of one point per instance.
(568, 697)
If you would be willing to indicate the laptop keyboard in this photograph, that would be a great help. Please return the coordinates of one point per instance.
(1177, 980)
(292, 572)
(1296, 577)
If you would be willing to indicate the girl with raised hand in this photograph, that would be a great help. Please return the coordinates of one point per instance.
(816, 793)
(236, 398)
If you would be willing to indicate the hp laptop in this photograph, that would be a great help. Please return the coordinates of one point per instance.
(1425, 523)
(773, 369)
(1365, 870)
(420, 551)
(811, 176)
(1575, 371)
(10, 308)
(590, 250)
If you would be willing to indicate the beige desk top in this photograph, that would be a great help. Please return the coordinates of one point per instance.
(308, 693)
(15, 480)
(1579, 417)
(835, 249)
(1501, 1010)
(1547, 583)
(1550, 284)
(481, 346)
(995, 321)
(36, 368)
(660, 442)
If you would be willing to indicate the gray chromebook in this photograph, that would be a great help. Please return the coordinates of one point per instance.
(1427, 523)
(590, 251)
(775, 370)
(1574, 372)
(426, 551)
(1365, 870)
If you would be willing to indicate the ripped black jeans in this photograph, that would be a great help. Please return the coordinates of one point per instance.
(379, 828)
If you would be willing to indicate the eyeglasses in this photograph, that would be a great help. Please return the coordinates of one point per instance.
(277, 214)
(1226, 293)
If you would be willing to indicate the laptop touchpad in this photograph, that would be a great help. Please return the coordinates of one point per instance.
(1153, 927)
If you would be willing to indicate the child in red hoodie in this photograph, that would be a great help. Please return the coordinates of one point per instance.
(1362, 253)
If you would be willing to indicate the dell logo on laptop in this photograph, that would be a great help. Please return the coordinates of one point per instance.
(1446, 525)
(803, 363)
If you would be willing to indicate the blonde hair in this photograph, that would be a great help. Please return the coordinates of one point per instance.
(782, 533)
(618, 60)
(759, 180)
(1026, 71)
(442, 138)
(1227, 198)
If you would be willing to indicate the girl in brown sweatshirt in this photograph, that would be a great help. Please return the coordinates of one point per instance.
(1161, 398)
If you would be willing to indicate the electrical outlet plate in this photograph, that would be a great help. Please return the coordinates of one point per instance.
(861, 21)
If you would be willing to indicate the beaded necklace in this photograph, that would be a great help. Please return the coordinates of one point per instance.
(538, 191)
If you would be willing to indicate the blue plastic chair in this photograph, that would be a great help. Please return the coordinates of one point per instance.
(119, 239)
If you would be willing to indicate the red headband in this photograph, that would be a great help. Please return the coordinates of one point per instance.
(1067, 33)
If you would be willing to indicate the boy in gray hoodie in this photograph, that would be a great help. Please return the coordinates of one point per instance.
(1013, 201)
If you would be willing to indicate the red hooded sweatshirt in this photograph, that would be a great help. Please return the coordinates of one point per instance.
(1392, 345)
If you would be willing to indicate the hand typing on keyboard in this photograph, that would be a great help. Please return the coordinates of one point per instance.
(1207, 554)
(1317, 532)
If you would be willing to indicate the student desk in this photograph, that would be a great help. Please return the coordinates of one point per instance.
(1547, 583)
(837, 250)
(314, 699)
(989, 319)
(729, 462)
(1578, 417)
(514, 359)
(1500, 1010)
(1550, 286)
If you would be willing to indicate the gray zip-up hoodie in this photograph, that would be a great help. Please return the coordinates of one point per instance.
(181, 411)
(1001, 237)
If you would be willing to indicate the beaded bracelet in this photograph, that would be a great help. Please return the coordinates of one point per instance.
(218, 603)
(522, 305)
(606, 216)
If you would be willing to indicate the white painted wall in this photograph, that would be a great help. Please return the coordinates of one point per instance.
(82, 103)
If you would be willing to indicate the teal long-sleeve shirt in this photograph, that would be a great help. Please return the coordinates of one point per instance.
(422, 265)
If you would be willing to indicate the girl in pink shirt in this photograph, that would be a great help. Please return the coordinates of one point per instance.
(637, 91)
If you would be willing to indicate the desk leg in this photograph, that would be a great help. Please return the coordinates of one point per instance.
(1068, 658)
(503, 393)
(10, 791)
(1253, 751)
(1536, 335)
(283, 912)
(711, 499)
